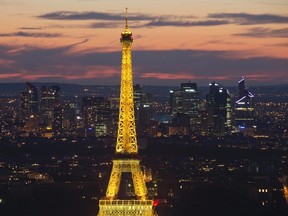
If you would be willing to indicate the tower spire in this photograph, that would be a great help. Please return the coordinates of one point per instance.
(126, 19)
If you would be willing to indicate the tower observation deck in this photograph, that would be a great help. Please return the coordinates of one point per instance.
(126, 153)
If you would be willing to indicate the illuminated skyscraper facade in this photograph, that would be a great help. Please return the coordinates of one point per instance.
(29, 102)
(244, 109)
(71, 114)
(218, 104)
(96, 115)
(143, 110)
(50, 98)
(126, 160)
(187, 100)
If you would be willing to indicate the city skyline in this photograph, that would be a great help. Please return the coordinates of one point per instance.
(175, 41)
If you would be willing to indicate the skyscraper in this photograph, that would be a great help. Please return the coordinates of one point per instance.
(143, 110)
(96, 113)
(29, 104)
(244, 109)
(218, 102)
(71, 114)
(175, 101)
(187, 100)
(137, 101)
(50, 107)
(126, 160)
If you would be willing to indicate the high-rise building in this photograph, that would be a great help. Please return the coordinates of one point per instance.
(114, 112)
(218, 103)
(146, 108)
(8, 110)
(143, 109)
(187, 101)
(244, 109)
(29, 105)
(57, 123)
(175, 101)
(137, 101)
(71, 116)
(50, 98)
(95, 110)
(126, 160)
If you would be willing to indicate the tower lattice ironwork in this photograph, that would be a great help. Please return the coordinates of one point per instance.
(126, 160)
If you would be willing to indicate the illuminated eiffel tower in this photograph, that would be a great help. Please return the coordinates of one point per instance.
(126, 160)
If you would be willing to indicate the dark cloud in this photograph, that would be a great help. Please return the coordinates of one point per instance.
(72, 15)
(159, 23)
(181, 23)
(151, 21)
(149, 66)
(265, 32)
(106, 25)
(30, 28)
(29, 34)
(250, 19)
(281, 44)
(225, 42)
(168, 20)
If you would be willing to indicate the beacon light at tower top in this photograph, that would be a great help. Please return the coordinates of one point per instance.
(126, 35)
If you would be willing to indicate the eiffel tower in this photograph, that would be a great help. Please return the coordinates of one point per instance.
(126, 154)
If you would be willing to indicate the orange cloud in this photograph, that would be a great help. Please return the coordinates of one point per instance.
(10, 75)
(166, 76)
(73, 72)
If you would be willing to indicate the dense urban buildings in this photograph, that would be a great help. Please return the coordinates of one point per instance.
(225, 164)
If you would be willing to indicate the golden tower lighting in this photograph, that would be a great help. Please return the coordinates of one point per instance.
(126, 160)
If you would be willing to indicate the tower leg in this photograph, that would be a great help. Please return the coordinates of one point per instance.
(114, 181)
(138, 181)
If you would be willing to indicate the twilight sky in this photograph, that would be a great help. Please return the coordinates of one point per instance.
(77, 41)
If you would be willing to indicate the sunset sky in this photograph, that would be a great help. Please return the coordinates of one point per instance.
(77, 41)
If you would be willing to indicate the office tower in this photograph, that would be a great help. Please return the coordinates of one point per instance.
(190, 103)
(57, 123)
(137, 101)
(175, 101)
(71, 116)
(29, 105)
(146, 108)
(95, 112)
(244, 109)
(50, 98)
(126, 160)
(8, 110)
(187, 101)
(145, 113)
(143, 109)
(218, 103)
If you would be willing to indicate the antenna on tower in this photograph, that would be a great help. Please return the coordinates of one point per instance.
(126, 18)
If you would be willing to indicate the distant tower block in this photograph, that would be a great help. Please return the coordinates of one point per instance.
(126, 148)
